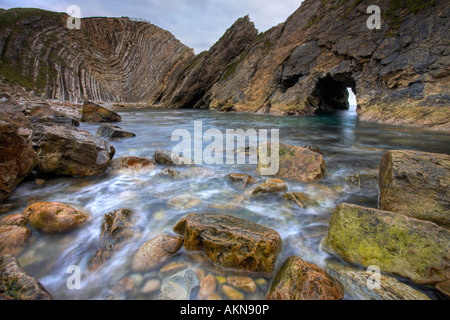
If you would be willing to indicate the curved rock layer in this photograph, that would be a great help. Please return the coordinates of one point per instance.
(108, 59)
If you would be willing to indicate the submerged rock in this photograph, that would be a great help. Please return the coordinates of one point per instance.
(16, 284)
(13, 234)
(232, 293)
(54, 217)
(299, 198)
(231, 242)
(269, 186)
(134, 164)
(172, 173)
(397, 244)
(299, 280)
(361, 179)
(113, 132)
(416, 184)
(156, 251)
(67, 151)
(243, 283)
(179, 286)
(17, 159)
(356, 281)
(184, 202)
(295, 163)
(208, 287)
(95, 113)
(245, 178)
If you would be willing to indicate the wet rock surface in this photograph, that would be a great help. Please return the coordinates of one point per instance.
(113, 132)
(13, 234)
(133, 164)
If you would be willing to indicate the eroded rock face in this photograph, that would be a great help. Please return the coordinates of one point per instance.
(95, 113)
(295, 163)
(16, 284)
(54, 217)
(397, 244)
(231, 242)
(17, 159)
(416, 184)
(299, 280)
(155, 251)
(67, 151)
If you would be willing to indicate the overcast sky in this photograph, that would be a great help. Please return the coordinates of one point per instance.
(196, 23)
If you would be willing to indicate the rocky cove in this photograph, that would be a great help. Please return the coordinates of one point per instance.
(109, 200)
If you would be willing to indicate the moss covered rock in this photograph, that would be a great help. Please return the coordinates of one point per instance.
(54, 217)
(397, 244)
(231, 242)
(295, 163)
(416, 184)
(299, 280)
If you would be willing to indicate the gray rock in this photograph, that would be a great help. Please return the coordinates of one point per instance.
(179, 285)
(113, 132)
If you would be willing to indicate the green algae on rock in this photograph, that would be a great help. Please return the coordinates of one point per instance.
(231, 242)
(397, 244)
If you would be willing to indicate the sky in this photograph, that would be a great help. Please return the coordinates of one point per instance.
(196, 23)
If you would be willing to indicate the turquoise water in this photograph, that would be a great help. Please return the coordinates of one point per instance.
(349, 146)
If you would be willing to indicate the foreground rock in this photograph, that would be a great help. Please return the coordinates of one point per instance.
(231, 242)
(113, 132)
(295, 163)
(16, 284)
(179, 285)
(155, 252)
(443, 289)
(67, 151)
(355, 284)
(416, 184)
(51, 120)
(116, 230)
(134, 164)
(168, 158)
(17, 159)
(95, 113)
(269, 186)
(13, 234)
(54, 217)
(398, 244)
(299, 280)
(12, 114)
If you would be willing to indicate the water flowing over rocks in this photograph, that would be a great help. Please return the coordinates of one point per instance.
(54, 217)
(156, 251)
(95, 113)
(231, 242)
(64, 150)
(396, 243)
(134, 164)
(416, 184)
(16, 284)
(269, 186)
(299, 280)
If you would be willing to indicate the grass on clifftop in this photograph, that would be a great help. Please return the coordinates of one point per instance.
(12, 16)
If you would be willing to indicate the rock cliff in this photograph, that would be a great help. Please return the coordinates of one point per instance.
(399, 73)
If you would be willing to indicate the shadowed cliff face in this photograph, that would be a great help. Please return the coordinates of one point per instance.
(108, 59)
(304, 66)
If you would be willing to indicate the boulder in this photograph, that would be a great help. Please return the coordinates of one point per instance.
(355, 284)
(299, 280)
(231, 242)
(184, 202)
(155, 252)
(245, 178)
(13, 234)
(295, 163)
(168, 158)
(54, 217)
(16, 284)
(243, 283)
(269, 186)
(416, 184)
(12, 114)
(113, 132)
(299, 198)
(208, 287)
(67, 151)
(443, 289)
(51, 120)
(95, 113)
(40, 109)
(134, 164)
(116, 230)
(397, 244)
(17, 159)
(179, 285)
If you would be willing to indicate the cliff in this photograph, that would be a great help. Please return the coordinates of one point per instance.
(399, 73)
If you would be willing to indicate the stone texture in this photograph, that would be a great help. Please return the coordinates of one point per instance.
(443, 289)
(295, 163)
(270, 186)
(242, 283)
(13, 234)
(397, 244)
(179, 286)
(113, 132)
(244, 178)
(168, 158)
(208, 287)
(156, 251)
(299, 280)
(231, 242)
(16, 284)
(64, 150)
(134, 164)
(416, 184)
(54, 217)
(96, 113)
(232, 293)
